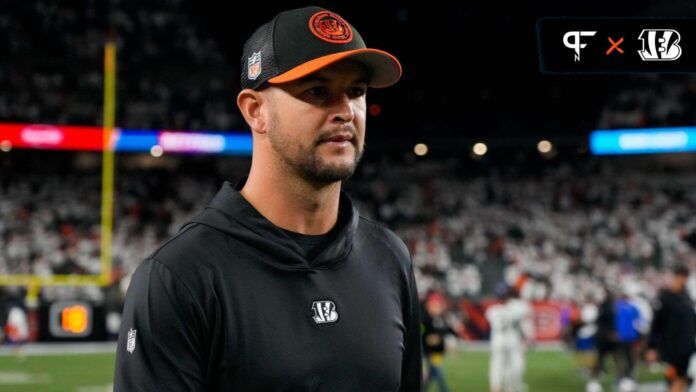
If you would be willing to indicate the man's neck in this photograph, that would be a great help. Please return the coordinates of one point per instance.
(293, 204)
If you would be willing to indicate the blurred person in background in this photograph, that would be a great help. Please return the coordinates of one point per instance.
(437, 324)
(673, 331)
(584, 339)
(606, 341)
(16, 326)
(512, 332)
(628, 321)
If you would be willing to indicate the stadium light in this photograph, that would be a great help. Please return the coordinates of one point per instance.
(480, 149)
(544, 146)
(156, 151)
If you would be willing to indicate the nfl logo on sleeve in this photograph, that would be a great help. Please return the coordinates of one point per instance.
(324, 312)
(130, 346)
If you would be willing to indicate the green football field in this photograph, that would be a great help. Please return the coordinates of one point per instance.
(75, 372)
(547, 371)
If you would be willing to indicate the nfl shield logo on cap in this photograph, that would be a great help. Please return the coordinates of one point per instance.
(254, 66)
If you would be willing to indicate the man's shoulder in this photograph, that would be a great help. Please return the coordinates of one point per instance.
(666, 295)
(495, 310)
(193, 248)
(664, 298)
(382, 235)
(181, 270)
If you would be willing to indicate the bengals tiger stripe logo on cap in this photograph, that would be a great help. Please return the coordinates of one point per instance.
(330, 27)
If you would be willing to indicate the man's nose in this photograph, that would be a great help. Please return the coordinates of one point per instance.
(342, 110)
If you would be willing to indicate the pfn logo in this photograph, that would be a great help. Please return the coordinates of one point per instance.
(575, 44)
(660, 45)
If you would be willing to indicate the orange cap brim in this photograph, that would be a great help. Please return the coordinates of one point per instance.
(385, 69)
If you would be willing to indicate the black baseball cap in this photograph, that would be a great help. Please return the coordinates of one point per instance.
(301, 41)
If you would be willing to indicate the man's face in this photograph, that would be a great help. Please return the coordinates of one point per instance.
(679, 282)
(316, 125)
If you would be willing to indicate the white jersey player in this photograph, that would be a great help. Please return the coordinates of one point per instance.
(512, 329)
(17, 327)
(17, 330)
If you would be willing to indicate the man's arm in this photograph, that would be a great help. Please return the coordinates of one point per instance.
(161, 343)
(412, 365)
(527, 324)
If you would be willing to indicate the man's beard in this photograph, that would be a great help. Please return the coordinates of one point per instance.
(306, 162)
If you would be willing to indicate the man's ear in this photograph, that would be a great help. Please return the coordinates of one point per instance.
(249, 102)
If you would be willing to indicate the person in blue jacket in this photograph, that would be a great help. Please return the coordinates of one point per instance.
(627, 320)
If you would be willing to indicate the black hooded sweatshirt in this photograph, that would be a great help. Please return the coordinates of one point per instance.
(673, 327)
(232, 303)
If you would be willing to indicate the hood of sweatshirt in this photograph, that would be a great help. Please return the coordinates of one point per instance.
(232, 214)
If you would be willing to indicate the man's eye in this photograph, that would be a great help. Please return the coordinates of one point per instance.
(357, 92)
(317, 91)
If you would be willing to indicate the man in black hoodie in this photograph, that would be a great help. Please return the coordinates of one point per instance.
(606, 340)
(279, 284)
(673, 330)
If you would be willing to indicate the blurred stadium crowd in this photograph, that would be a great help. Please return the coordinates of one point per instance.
(567, 229)
(156, 42)
(651, 100)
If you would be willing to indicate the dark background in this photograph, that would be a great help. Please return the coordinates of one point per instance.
(470, 69)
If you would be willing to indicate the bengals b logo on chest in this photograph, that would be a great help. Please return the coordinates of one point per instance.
(324, 312)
